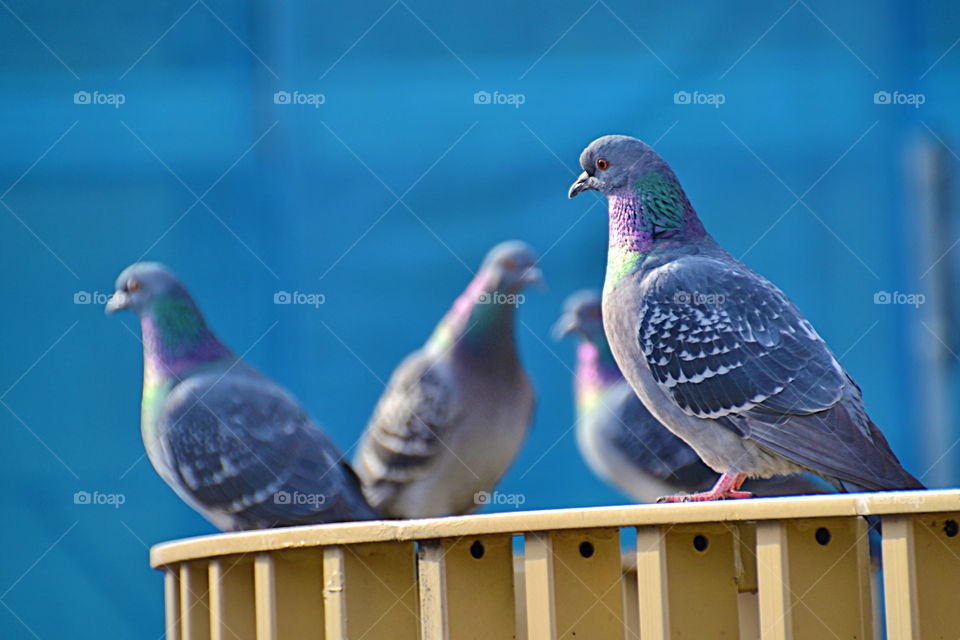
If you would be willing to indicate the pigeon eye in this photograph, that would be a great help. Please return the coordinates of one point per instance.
(133, 284)
(510, 264)
(602, 164)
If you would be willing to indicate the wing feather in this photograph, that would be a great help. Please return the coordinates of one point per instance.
(725, 344)
(246, 453)
(408, 424)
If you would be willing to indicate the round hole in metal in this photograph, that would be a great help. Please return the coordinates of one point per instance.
(700, 542)
(951, 528)
(823, 536)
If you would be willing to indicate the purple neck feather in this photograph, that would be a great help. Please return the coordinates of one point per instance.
(632, 227)
(628, 230)
(459, 315)
(174, 343)
(475, 319)
(596, 368)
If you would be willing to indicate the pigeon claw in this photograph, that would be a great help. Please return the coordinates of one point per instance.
(704, 496)
(727, 488)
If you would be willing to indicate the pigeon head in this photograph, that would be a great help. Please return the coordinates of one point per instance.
(581, 314)
(175, 335)
(646, 203)
(511, 266)
(141, 285)
(483, 314)
(613, 164)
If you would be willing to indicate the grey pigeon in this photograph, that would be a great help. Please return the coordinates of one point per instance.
(456, 411)
(231, 443)
(716, 352)
(621, 442)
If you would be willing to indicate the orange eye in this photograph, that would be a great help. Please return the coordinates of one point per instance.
(510, 264)
(133, 284)
(602, 164)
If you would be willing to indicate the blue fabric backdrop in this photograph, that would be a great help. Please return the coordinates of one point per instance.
(156, 131)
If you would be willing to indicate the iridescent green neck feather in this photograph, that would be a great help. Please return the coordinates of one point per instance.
(655, 211)
(176, 339)
(481, 319)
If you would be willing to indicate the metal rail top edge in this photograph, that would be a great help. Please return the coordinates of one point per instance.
(520, 522)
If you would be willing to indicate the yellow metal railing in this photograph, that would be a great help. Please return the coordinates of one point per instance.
(773, 568)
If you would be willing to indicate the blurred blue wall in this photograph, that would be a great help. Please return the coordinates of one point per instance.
(295, 197)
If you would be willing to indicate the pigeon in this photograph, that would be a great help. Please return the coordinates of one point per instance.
(231, 443)
(716, 352)
(456, 411)
(621, 442)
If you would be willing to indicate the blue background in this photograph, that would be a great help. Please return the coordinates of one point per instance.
(297, 198)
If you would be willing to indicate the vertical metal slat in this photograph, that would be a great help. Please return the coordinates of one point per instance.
(194, 601)
(265, 596)
(232, 599)
(370, 590)
(573, 584)
(171, 597)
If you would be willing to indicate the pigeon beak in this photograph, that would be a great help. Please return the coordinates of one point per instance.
(116, 302)
(585, 182)
(534, 277)
(566, 325)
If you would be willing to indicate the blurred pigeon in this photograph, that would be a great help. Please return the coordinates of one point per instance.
(716, 352)
(622, 443)
(231, 443)
(456, 411)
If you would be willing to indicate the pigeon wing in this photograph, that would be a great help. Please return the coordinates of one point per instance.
(406, 432)
(725, 344)
(242, 449)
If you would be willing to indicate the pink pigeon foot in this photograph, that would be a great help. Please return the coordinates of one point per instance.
(726, 488)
